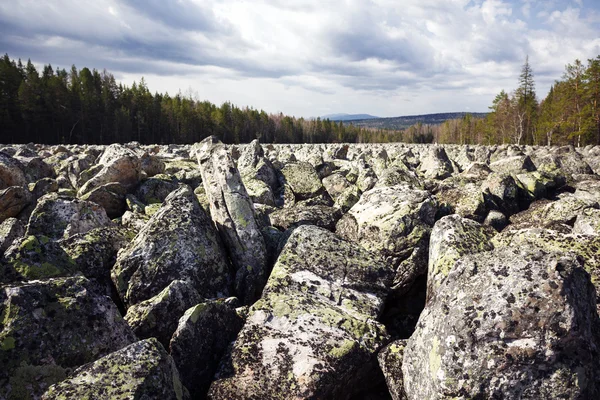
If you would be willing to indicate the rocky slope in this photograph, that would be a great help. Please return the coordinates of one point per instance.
(299, 271)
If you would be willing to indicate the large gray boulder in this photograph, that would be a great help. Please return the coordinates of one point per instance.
(436, 165)
(203, 335)
(158, 316)
(58, 217)
(511, 323)
(142, 370)
(323, 216)
(13, 200)
(233, 214)
(11, 229)
(313, 334)
(303, 179)
(451, 238)
(118, 164)
(394, 222)
(50, 327)
(11, 172)
(178, 242)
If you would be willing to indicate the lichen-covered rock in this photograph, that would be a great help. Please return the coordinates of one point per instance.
(156, 189)
(35, 257)
(259, 191)
(451, 238)
(142, 370)
(464, 199)
(253, 164)
(335, 184)
(513, 165)
(302, 178)
(11, 229)
(203, 335)
(231, 210)
(119, 164)
(11, 172)
(313, 333)
(496, 220)
(366, 179)
(35, 168)
(59, 217)
(390, 362)
(42, 187)
(509, 323)
(322, 216)
(585, 246)
(347, 199)
(179, 242)
(501, 192)
(394, 222)
(436, 165)
(95, 252)
(152, 165)
(564, 210)
(398, 174)
(587, 223)
(158, 316)
(13, 200)
(111, 197)
(476, 172)
(48, 328)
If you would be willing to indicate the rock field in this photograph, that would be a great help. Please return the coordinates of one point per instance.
(299, 271)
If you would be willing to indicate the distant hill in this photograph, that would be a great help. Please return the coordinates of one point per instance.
(348, 117)
(405, 122)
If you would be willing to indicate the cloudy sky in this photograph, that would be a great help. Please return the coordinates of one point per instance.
(312, 57)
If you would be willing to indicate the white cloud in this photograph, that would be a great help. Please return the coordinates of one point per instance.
(383, 57)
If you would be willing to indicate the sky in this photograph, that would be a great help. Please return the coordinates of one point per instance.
(312, 57)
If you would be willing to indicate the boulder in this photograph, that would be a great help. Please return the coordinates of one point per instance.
(313, 333)
(451, 238)
(253, 164)
(585, 246)
(142, 370)
(510, 323)
(587, 223)
(513, 165)
(302, 179)
(51, 327)
(232, 212)
(156, 189)
(57, 217)
(13, 200)
(394, 222)
(35, 257)
(436, 165)
(11, 172)
(390, 362)
(464, 199)
(208, 328)
(158, 316)
(119, 164)
(501, 192)
(11, 229)
(111, 197)
(322, 216)
(178, 242)
(335, 184)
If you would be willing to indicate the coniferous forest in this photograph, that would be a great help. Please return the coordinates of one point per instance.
(87, 106)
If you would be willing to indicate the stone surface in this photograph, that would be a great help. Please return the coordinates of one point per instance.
(179, 242)
(13, 200)
(203, 335)
(11, 172)
(10, 230)
(322, 216)
(511, 323)
(394, 222)
(313, 333)
(142, 370)
(302, 179)
(233, 214)
(57, 217)
(118, 164)
(158, 316)
(50, 327)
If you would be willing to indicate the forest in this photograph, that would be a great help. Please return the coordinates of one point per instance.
(87, 106)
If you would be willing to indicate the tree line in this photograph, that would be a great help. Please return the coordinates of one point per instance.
(87, 106)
